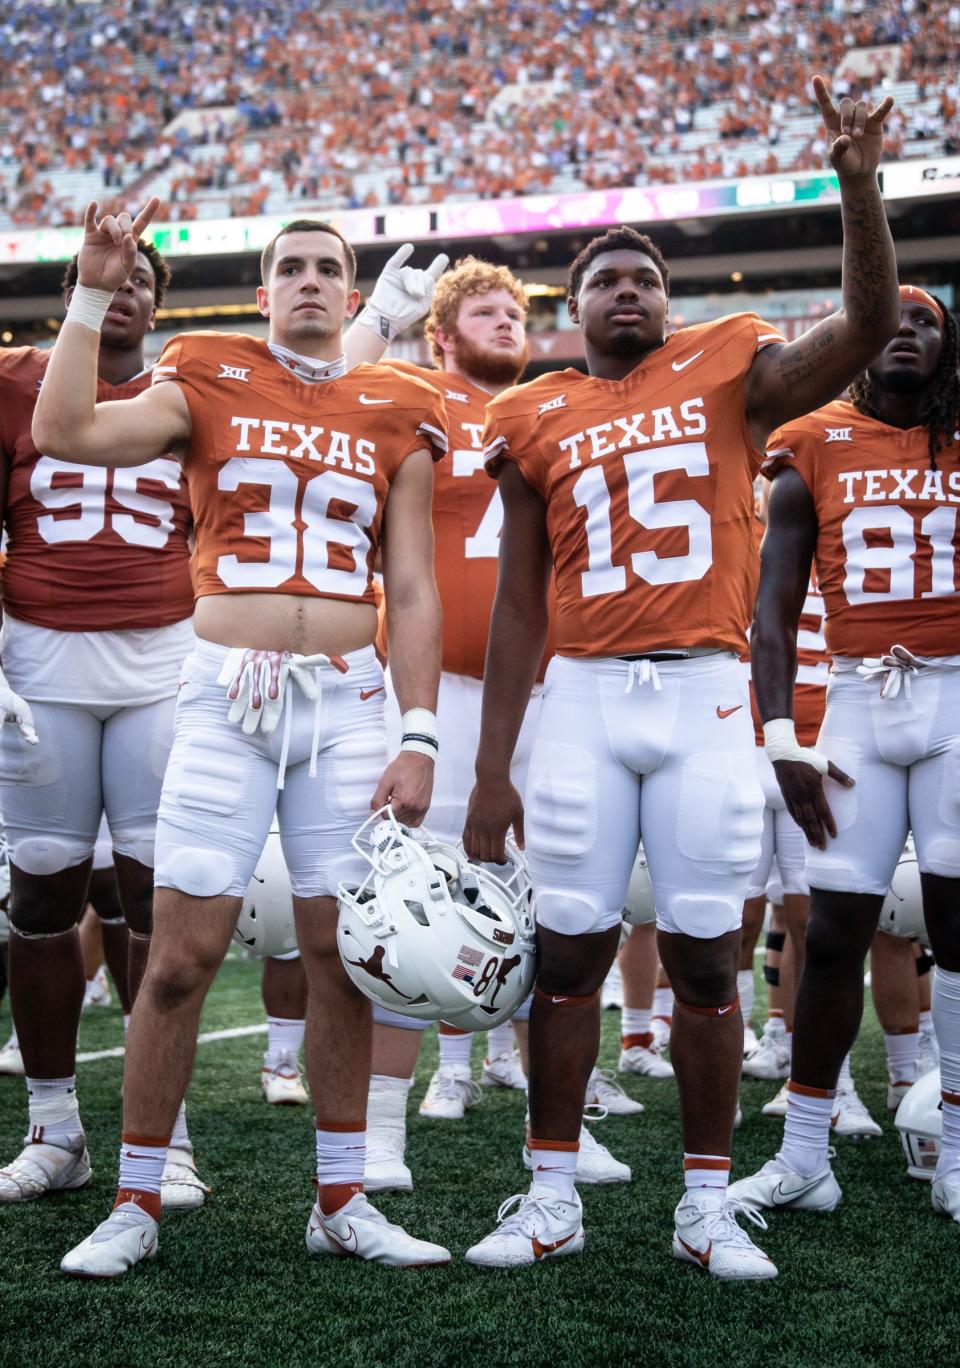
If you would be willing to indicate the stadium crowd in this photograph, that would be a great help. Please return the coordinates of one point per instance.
(250, 108)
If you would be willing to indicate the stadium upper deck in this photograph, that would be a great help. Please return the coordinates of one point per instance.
(244, 107)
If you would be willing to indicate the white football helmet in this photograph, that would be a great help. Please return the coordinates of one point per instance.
(920, 1123)
(432, 936)
(265, 926)
(902, 912)
(638, 910)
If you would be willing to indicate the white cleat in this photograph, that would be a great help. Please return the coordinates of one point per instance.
(180, 1187)
(945, 1194)
(896, 1092)
(504, 1071)
(928, 1055)
(603, 1090)
(595, 1163)
(40, 1168)
(852, 1118)
(751, 1041)
(385, 1169)
(771, 1058)
(97, 991)
(122, 1240)
(11, 1060)
(645, 1060)
(778, 1187)
(362, 1232)
(282, 1084)
(450, 1093)
(539, 1228)
(777, 1106)
(708, 1235)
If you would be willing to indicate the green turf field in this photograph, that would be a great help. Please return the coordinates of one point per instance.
(876, 1283)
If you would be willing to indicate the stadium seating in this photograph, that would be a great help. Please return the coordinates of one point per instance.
(240, 107)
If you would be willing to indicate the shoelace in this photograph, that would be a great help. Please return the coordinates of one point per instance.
(724, 1226)
(595, 1111)
(642, 672)
(524, 1219)
(896, 667)
(448, 1085)
(606, 1079)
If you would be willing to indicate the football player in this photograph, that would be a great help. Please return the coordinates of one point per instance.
(476, 332)
(869, 489)
(634, 484)
(97, 606)
(299, 474)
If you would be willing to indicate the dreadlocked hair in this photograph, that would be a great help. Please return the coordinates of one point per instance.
(941, 413)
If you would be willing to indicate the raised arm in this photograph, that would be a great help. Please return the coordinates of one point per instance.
(785, 559)
(401, 297)
(796, 378)
(413, 628)
(68, 422)
(518, 631)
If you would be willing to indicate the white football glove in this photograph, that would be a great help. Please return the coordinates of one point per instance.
(252, 677)
(14, 709)
(402, 294)
(896, 667)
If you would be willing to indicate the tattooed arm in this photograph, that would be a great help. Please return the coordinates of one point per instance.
(787, 381)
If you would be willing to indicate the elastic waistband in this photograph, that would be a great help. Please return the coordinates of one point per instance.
(212, 653)
(664, 659)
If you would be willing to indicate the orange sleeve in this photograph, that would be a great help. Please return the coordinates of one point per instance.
(508, 436)
(789, 447)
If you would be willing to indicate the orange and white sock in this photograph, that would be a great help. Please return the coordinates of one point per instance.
(635, 1027)
(142, 1158)
(341, 1154)
(554, 1168)
(706, 1173)
(775, 1022)
(806, 1131)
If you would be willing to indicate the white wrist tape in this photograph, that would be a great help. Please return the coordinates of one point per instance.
(89, 307)
(780, 742)
(378, 323)
(419, 732)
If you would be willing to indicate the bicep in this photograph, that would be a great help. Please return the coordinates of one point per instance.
(131, 432)
(407, 538)
(525, 561)
(786, 553)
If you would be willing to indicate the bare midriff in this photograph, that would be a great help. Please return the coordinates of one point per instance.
(285, 622)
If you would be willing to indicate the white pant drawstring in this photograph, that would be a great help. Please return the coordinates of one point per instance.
(642, 672)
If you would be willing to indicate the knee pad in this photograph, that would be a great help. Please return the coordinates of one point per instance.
(199, 873)
(574, 914)
(42, 855)
(835, 873)
(290, 955)
(137, 843)
(382, 1016)
(700, 915)
(771, 975)
(523, 1011)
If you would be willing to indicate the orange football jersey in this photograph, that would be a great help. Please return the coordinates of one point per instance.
(888, 541)
(89, 549)
(289, 480)
(648, 486)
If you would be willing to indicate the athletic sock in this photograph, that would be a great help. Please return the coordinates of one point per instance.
(946, 1018)
(635, 1026)
(54, 1112)
(455, 1050)
(706, 1174)
(788, 1041)
(554, 1168)
(806, 1132)
(902, 1052)
(387, 1103)
(499, 1041)
(142, 1158)
(341, 1153)
(284, 1037)
(926, 1023)
(126, 1024)
(845, 1081)
(663, 1003)
(775, 1022)
(746, 989)
(180, 1139)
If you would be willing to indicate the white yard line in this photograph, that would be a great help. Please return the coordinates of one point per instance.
(88, 1056)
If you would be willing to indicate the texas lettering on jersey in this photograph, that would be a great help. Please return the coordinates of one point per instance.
(89, 549)
(888, 541)
(648, 488)
(288, 479)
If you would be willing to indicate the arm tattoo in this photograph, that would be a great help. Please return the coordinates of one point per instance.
(869, 264)
(798, 364)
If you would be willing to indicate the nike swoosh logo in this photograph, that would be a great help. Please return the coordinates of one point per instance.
(682, 365)
(556, 999)
(147, 1244)
(540, 1249)
(364, 399)
(722, 1011)
(368, 693)
(348, 1246)
(701, 1256)
(727, 712)
(780, 1198)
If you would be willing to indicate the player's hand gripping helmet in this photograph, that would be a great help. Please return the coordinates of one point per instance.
(638, 910)
(902, 912)
(265, 926)
(432, 936)
(920, 1123)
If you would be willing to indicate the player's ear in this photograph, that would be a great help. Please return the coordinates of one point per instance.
(443, 341)
(353, 303)
(152, 321)
(263, 300)
(573, 309)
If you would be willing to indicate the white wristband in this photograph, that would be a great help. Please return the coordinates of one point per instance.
(780, 742)
(89, 307)
(419, 732)
(378, 323)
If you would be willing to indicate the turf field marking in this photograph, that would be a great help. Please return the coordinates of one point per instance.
(88, 1056)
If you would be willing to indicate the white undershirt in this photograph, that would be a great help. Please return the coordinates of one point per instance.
(308, 368)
